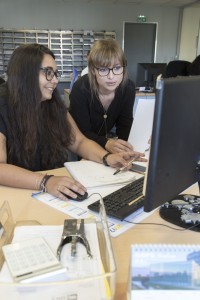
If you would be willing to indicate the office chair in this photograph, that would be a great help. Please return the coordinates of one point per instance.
(194, 67)
(67, 91)
(74, 78)
(176, 68)
(1, 80)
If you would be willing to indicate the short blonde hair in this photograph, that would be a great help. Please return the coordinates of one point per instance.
(103, 54)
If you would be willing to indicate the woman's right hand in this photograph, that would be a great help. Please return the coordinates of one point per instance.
(122, 159)
(60, 185)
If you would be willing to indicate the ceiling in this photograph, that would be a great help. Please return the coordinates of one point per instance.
(174, 3)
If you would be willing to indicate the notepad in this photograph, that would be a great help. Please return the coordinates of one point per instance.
(92, 174)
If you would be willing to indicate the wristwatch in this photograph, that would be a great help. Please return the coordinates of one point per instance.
(104, 159)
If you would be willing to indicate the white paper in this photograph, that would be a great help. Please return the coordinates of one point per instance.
(141, 129)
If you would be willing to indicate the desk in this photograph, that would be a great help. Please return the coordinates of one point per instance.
(31, 209)
(143, 94)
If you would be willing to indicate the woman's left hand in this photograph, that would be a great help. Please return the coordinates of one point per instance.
(118, 145)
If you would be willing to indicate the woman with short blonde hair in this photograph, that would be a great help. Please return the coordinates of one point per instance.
(101, 102)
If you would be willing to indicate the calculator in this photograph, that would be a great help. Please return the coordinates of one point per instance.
(30, 258)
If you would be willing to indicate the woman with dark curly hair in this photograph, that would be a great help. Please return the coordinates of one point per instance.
(36, 130)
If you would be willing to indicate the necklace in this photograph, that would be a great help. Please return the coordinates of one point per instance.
(105, 114)
(105, 101)
(104, 123)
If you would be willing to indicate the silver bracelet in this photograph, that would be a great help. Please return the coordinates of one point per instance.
(43, 183)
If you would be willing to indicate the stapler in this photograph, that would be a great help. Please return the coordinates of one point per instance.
(73, 232)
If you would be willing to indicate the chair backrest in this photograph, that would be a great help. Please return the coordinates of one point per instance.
(74, 78)
(194, 68)
(176, 68)
(1, 80)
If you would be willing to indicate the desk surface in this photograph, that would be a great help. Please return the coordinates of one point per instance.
(32, 209)
(144, 94)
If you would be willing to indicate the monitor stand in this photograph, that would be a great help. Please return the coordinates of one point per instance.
(184, 210)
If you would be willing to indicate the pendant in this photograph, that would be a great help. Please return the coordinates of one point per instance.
(105, 116)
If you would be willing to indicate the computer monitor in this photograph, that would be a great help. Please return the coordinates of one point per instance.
(147, 74)
(175, 148)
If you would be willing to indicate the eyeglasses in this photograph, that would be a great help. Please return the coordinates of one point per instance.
(104, 71)
(49, 73)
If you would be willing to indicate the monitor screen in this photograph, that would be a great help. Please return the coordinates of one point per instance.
(147, 74)
(175, 141)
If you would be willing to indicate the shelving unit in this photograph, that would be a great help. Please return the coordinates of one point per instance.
(70, 47)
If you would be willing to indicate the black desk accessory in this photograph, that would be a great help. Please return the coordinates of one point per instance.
(184, 210)
(79, 196)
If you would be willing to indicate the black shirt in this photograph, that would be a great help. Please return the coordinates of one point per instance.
(89, 114)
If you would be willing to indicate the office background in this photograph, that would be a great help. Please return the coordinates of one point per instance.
(177, 34)
(58, 14)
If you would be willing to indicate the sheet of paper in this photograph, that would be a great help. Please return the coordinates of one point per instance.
(141, 129)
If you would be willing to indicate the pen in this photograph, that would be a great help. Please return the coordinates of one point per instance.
(123, 168)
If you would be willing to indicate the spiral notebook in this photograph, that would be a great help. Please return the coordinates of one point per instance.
(164, 270)
(92, 174)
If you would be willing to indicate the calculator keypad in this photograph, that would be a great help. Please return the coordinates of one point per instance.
(29, 256)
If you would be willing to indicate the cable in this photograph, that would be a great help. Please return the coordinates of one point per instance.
(159, 224)
(148, 223)
(95, 194)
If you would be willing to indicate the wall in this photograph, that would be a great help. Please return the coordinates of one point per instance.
(57, 14)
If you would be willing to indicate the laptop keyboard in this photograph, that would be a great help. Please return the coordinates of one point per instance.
(123, 202)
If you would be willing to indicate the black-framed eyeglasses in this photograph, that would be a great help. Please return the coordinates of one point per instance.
(49, 73)
(104, 71)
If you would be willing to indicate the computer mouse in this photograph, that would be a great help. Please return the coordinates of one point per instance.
(79, 196)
